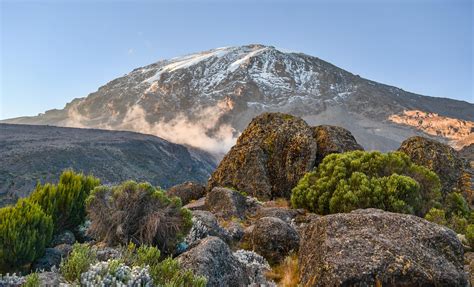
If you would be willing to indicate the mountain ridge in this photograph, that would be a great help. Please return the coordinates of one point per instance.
(206, 99)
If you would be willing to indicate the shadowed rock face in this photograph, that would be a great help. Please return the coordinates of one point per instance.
(32, 153)
(332, 139)
(370, 247)
(270, 156)
(438, 157)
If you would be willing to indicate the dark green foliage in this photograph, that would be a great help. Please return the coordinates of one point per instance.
(137, 213)
(352, 180)
(456, 204)
(78, 262)
(25, 231)
(65, 202)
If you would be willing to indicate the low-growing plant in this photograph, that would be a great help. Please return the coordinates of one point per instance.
(32, 280)
(65, 202)
(286, 274)
(458, 224)
(456, 204)
(81, 257)
(25, 231)
(138, 213)
(357, 179)
(116, 273)
(437, 216)
(470, 235)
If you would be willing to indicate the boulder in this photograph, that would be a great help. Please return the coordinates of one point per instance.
(65, 237)
(64, 249)
(213, 259)
(269, 158)
(285, 214)
(333, 139)
(372, 247)
(187, 191)
(199, 204)
(272, 238)
(205, 224)
(226, 203)
(51, 258)
(438, 157)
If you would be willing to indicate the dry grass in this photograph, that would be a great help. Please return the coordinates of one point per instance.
(286, 273)
(278, 202)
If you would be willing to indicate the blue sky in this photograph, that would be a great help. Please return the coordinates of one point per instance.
(54, 51)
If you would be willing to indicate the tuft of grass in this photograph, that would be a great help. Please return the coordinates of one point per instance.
(286, 274)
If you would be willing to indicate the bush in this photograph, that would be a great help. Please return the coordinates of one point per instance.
(65, 202)
(352, 180)
(79, 260)
(137, 213)
(115, 273)
(25, 231)
(470, 235)
(458, 224)
(32, 280)
(437, 216)
(456, 204)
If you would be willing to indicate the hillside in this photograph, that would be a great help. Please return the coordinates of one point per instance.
(206, 99)
(32, 153)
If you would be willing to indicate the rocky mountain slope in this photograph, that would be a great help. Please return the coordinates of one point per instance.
(206, 99)
(32, 153)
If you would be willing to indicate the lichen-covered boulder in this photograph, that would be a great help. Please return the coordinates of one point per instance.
(269, 158)
(187, 191)
(65, 237)
(371, 247)
(285, 214)
(333, 139)
(213, 259)
(205, 224)
(438, 157)
(51, 258)
(272, 238)
(226, 203)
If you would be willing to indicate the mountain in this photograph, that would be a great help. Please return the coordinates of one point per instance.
(206, 99)
(31, 153)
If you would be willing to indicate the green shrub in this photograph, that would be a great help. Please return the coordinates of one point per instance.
(437, 216)
(456, 204)
(79, 260)
(344, 182)
(65, 202)
(32, 280)
(137, 213)
(25, 231)
(470, 235)
(458, 224)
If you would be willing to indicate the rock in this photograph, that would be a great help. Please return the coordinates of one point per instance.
(199, 204)
(65, 237)
(469, 266)
(438, 157)
(64, 249)
(256, 266)
(187, 191)
(105, 253)
(235, 231)
(270, 156)
(372, 247)
(213, 259)
(333, 139)
(226, 203)
(51, 258)
(205, 224)
(272, 238)
(48, 279)
(285, 214)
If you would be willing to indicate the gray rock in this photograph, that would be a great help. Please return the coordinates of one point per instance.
(205, 224)
(372, 247)
(105, 253)
(65, 237)
(187, 191)
(51, 258)
(213, 259)
(64, 249)
(285, 214)
(226, 203)
(272, 238)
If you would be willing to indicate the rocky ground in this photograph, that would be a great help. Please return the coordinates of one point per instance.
(245, 234)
